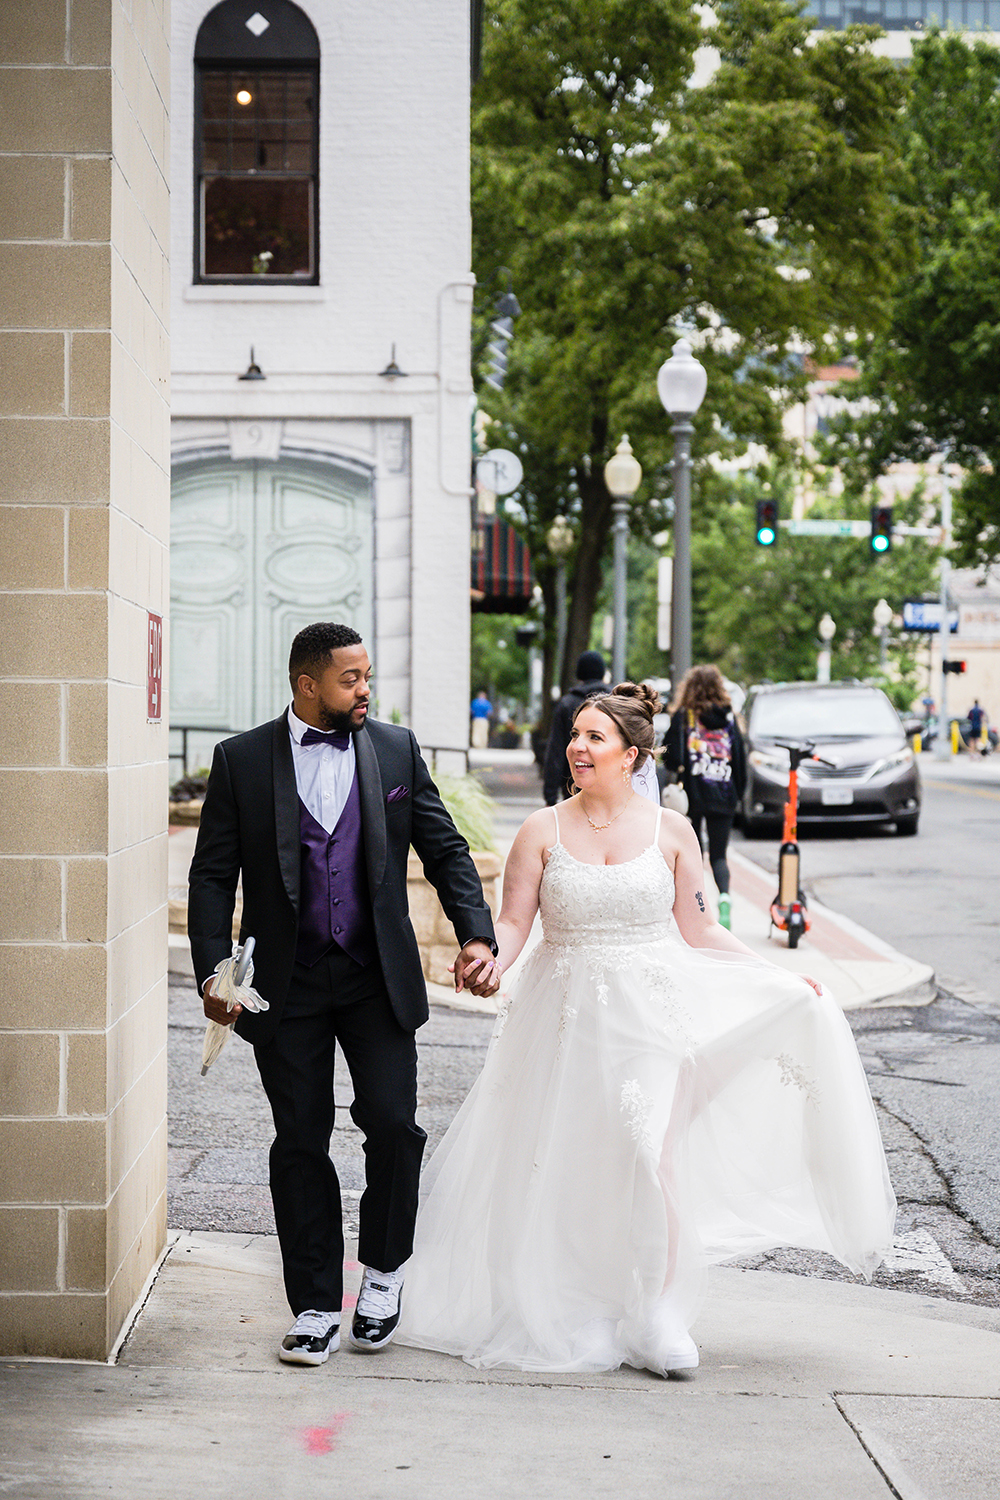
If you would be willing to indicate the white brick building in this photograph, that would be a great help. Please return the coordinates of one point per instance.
(320, 217)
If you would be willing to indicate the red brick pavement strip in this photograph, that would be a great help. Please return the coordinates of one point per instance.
(825, 933)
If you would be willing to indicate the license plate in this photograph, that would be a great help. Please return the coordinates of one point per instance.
(836, 796)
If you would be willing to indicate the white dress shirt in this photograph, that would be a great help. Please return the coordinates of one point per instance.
(323, 774)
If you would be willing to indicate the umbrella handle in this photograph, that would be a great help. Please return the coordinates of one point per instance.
(243, 961)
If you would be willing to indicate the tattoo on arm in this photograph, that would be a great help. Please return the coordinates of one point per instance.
(700, 900)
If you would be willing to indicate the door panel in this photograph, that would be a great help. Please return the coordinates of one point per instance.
(257, 551)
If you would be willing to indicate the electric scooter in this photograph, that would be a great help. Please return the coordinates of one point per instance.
(789, 912)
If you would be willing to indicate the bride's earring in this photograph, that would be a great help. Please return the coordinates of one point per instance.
(626, 775)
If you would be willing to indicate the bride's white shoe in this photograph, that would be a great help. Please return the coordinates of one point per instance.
(664, 1345)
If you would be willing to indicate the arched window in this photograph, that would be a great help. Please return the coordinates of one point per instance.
(256, 144)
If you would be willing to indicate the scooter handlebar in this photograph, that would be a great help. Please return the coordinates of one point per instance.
(800, 750)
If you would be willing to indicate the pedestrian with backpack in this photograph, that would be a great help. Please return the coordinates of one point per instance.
(705, 747)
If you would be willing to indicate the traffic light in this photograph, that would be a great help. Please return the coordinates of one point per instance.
(953, 666)
(502, 328)
(881, 537)
(767, 523)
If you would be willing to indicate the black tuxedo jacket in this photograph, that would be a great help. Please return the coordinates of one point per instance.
(250, 826)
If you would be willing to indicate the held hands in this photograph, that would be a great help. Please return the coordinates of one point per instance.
(475, 969)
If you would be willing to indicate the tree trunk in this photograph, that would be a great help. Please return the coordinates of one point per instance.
(584, 586)
(546, 582)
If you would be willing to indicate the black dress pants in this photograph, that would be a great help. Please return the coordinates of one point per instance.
(339, 1001)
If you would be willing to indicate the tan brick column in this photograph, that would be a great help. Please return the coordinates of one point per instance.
(84, 525)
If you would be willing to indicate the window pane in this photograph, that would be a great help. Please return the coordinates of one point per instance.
(215, 95)
(245, 217)
(258, 173)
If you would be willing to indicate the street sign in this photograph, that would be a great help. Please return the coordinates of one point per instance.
(827, 528)
(664, 597)
(500, 471)
(925, 615)
(154, 667)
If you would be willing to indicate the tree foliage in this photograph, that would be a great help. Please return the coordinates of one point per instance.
(933, 375)
(759, 210)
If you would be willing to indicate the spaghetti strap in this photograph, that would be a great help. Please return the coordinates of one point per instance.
(556, 817)
(656, 831)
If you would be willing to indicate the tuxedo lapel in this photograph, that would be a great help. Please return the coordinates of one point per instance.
(286, 811)
(372, 809)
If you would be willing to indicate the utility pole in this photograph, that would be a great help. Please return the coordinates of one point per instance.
(942, 740)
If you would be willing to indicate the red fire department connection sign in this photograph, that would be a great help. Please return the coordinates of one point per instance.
(154, 668)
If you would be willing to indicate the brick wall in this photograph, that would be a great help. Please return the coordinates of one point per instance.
(84, 522)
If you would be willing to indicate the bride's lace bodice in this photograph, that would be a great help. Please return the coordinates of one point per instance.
(582, 904)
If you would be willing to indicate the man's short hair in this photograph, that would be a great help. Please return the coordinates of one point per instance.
(311, 649)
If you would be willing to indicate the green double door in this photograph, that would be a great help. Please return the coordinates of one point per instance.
(257, 550)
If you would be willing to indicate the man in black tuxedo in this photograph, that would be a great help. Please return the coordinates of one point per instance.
(317, 811)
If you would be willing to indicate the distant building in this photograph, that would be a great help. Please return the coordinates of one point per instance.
(320, 314)
(903, 20)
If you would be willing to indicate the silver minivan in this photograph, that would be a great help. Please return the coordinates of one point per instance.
(872, 775)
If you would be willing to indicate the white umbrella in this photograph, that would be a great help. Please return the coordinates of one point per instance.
(232, 983)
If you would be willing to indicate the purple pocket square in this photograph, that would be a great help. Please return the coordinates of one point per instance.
(398, 794)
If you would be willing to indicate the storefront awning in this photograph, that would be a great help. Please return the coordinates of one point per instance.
(501, 581)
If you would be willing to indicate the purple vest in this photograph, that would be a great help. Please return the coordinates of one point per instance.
(334, 903)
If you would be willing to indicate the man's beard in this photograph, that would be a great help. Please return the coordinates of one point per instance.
(339, 723)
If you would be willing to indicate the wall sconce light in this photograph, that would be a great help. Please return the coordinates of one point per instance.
(392, 370)
(253, 370)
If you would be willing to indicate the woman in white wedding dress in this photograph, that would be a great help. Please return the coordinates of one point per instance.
(655, 1098)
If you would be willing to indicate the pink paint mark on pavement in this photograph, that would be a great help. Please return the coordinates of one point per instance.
(352, 1265)
(350, 1300)
(320, 1440)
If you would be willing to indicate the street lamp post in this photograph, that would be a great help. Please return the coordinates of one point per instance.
(827, 628)
(882, 615)
(622, 475)
(942, 740)
(681, 383)
(560, 543)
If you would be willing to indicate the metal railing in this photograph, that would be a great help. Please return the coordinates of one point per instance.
(184, 730)
(429, 752)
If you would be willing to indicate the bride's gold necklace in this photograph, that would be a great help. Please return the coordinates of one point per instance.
(598, 827)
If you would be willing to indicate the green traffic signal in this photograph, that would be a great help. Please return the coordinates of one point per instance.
(767, 523)
(881, 537)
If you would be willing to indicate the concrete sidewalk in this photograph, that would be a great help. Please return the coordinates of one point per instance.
(808, 1390)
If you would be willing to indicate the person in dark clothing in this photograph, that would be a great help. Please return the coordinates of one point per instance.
(590, 671)
(704, 745)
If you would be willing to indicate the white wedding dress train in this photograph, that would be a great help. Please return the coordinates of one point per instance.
(645, 1109)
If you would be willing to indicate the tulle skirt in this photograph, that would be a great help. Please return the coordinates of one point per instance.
(645, 1110)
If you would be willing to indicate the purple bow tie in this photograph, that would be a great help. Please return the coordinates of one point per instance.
(338, 739)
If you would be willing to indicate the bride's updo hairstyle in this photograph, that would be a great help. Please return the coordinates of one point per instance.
(631, 706)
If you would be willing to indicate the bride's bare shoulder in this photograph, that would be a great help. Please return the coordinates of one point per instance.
(538, 830)
(675, 832)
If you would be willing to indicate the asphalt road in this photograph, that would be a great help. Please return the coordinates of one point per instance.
(934, 1070)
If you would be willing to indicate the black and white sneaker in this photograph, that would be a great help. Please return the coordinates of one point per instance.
(377, 1312)
(312, 1338)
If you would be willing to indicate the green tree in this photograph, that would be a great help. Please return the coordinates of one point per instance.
(759, 210)
(934, 375)
(498, 663)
